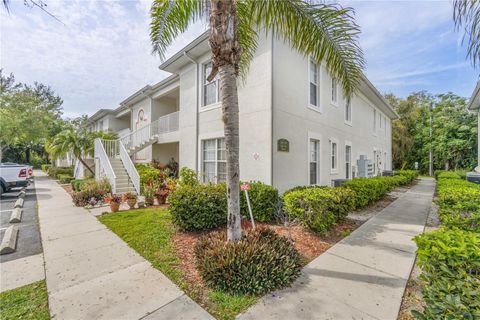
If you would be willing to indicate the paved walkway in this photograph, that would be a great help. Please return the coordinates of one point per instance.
(93, 274)
(363, 276)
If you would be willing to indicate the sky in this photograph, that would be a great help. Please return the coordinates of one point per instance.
(101, 53)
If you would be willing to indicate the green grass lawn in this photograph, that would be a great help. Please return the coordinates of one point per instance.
(27, 302)
(150, 232)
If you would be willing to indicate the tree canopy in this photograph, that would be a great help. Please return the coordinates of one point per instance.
(454, 132)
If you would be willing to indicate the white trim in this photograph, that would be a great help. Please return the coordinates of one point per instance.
(335, 170)
(348, 144)
(334, 102)
(318, 107)
(314, 136)
(203, 84)
(345, 121)
(210, 107)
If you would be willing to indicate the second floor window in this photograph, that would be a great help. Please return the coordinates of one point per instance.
(334, 90)
(374, 121)
(313, 84)
(211, 90)
(348, 111)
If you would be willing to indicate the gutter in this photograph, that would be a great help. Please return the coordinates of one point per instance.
(197, 93)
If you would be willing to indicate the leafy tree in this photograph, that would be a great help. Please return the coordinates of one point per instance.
(77, 140)
(29, 115)
(325, 32)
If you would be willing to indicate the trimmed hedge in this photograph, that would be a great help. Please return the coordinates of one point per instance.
(411, 175)
(447, 175)
(369, 190)
(78, 183)
(264, 200)
(260, 262)
(199, 207)
(65, 178)
(55, 171)
(450, 263)
(319, 208)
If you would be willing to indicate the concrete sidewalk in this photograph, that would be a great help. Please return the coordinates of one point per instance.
(93, 274)
(363, 276)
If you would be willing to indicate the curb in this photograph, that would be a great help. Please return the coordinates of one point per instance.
(9, 241)
(16, 216)
(19, 203)
(22, 194)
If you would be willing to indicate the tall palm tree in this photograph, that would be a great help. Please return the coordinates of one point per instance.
(79, 142)
(325, 32)
(466, 14)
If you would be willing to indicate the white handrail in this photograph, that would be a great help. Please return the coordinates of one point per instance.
(129, 167)
(104, 163)
(164, 124)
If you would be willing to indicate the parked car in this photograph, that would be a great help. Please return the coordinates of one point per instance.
(14, 175)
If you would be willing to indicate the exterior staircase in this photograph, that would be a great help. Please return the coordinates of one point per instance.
(123, 183)
(145, 143)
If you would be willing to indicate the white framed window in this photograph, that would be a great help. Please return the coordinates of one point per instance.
(348, 161)
(313, 84)
(380, 120)
(374, 120)
(334, 91)
(348, 111)
(211, 90)
(314, 161)
(385, 126)
(100, 126)
(334, 156)
(214, 160)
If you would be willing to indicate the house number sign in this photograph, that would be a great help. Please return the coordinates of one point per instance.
(283, 145)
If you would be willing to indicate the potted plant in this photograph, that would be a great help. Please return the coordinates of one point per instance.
(130, 198)
(149, 193)
(162, 192)
(114, 200)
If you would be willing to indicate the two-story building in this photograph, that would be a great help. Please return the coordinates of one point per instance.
(296, 126)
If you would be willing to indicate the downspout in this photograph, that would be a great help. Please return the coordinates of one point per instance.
(197, 93)
(272, 149)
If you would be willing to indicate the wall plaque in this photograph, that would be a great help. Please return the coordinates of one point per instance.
(283, 145)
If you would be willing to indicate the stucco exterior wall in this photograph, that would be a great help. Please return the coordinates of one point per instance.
(165, 151)
(145, 106)
(295, 121)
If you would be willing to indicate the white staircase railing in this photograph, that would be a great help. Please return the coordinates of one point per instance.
(129, 167)
(104, 163)
(165, 124)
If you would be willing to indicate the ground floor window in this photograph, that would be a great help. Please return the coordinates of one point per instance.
(214, 161)
(333, 154)
(314, 161)
(348, 162)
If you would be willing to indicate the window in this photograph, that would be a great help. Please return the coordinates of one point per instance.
(348, 162)
(314, 161)
(214, 161)
(374, 120)
(313, 83)
(380, 120)
(385, 126)
(334, 153)
(100, 126)
(211, 90)
(348, 111)
(334, 90)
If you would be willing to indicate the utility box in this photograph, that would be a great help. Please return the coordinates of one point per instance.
(387, 173)
(365, 167)
(338, 182)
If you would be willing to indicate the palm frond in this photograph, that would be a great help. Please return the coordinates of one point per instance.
(172, 17)
(466, 14)
(247, 36)
(325, 32)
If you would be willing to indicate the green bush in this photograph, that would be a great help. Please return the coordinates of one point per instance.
(188, 177)
(78, 183)
(447, 175)
(450, 263)
(149, 175)
(369, 190)
(65, 178)
(55, 171)
(264, 200)
(319, 208)
(260, 262)
(91, 192)
(199, 207)
(45, 167)
(411, 175)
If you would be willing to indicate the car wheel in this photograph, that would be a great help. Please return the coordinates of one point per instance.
(2, 189)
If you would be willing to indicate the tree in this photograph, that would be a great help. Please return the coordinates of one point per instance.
(325, 32)
(29, 115)
(77, 140)
(466, 15)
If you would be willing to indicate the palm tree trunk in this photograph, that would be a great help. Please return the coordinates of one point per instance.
(86, 166)
(226, 53)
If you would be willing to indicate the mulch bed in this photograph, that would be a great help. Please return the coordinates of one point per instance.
(309, 244)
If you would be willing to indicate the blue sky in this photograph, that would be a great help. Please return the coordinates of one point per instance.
(102, 54)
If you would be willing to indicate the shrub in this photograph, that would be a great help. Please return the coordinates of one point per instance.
(188, 177)
(65, 178)
(149, 175)
(447, 175)
(55, 171)
(319, 208)
(260, 262)
(45, 167)
(264, 200)
(369, 190)
(91, 192)
(78, 183)
(199, 207)
(411, 175)
(450, 261)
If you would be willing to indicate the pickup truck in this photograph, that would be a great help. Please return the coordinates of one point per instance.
(14, 175)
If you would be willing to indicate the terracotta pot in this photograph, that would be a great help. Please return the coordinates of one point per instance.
(131, 202)
(114, 206)
(161, 199)
(149, 201)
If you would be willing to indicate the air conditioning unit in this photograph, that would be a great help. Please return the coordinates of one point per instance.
(338, 182)
(365, 167)
(387, 173)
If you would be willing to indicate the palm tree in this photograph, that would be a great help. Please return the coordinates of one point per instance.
(79, 142)
(325, 32)
(466, 14)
